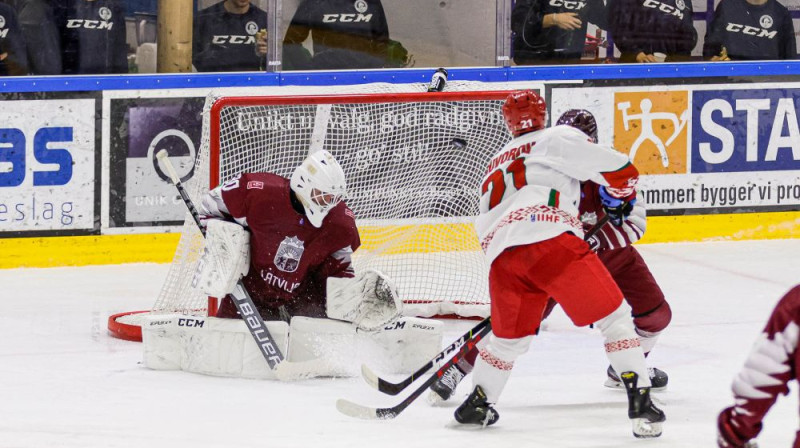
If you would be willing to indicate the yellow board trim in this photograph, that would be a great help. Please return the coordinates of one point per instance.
(160, 248)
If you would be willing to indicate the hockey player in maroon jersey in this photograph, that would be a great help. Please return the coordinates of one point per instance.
(613, 245)
(530, 232)
(301, 235)
(774, 360)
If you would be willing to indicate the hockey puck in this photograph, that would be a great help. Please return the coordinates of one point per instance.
(459, 143)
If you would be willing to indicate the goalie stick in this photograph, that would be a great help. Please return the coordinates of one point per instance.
(351, 409)
(241, 298)
(390, 388)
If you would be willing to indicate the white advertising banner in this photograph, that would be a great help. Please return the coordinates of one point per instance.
(47, 165)
(734, 146)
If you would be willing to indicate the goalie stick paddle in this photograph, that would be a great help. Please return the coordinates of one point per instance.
(351, 409)
(241, 298)
(390, 388)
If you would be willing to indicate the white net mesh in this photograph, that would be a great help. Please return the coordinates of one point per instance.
(413, 168)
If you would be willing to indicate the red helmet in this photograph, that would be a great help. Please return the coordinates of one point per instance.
(524, 112)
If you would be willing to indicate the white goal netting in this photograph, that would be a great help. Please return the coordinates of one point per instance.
(413, 162)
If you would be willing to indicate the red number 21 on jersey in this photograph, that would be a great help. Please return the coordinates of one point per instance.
(497, 179)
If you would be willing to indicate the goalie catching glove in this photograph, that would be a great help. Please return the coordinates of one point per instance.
(370, 300)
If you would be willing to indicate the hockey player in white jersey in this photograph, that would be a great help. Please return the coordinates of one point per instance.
(530, 232)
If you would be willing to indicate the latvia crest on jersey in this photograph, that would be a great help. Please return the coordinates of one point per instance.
(287, 259)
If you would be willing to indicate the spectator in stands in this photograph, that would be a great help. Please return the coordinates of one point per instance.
(224, 37)
(750, 30)
(553, 32)
(41, 35)
(92, 36)
(13, 59)
(345, 35)
(652, 30)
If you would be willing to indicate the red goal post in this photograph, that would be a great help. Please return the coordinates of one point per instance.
(413, 163)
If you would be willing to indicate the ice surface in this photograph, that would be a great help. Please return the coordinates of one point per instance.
(65, 383)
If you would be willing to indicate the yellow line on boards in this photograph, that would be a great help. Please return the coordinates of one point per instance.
(389, 240)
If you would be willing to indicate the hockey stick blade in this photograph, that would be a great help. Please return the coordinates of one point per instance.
(390, 388)
(351, 409)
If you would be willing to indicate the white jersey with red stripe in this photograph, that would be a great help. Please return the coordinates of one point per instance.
(531, 189)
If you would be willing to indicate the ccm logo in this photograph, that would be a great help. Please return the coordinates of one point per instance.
(750, 30)
(245, 40)
(346, 18)
(184, 322)
(90, 24)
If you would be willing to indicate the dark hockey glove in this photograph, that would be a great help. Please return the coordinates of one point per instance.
(727, 437)
(617, 209)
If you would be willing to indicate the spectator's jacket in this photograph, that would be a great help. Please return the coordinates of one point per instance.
(346, 34)
(92, 36)
(226, 42)
(12, 44)
(751, 32)
(41, 36)
(650, 26)
(533, 42)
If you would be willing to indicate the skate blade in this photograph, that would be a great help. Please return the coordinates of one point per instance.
(611, 384)
(643, 429)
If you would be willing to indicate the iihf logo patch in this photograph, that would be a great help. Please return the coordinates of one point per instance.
(105, 13)
(680, 4)
(361, 5)
(765, 21)
(287, 259)
(251, 28)
(2, 22)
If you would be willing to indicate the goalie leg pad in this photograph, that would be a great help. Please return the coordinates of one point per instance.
(207, 345)
(339, 349)
(402, 346)
(225, 259)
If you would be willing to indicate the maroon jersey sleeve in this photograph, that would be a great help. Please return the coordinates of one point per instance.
(343, 230)
(772, 363)
(610, 236)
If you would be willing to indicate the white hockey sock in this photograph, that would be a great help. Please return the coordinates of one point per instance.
(623, 348)
(494, 363)
(647, 339)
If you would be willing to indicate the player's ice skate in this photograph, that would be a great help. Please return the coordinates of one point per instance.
(658, 379)
(476, 410)
(646, 418)
(444, 388)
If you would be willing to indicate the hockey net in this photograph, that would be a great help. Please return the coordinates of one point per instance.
(413, 163)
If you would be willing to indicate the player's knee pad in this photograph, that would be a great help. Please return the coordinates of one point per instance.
(618, 325)
(340, 349)
(655, 320)
(208, 345)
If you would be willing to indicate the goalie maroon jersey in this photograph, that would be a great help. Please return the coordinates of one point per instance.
(290, 259)
(774, 360)
(92, 36)
(226, 42)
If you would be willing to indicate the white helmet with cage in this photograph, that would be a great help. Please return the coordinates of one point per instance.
(319, 185)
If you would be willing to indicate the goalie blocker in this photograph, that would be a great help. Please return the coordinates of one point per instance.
(368, 325)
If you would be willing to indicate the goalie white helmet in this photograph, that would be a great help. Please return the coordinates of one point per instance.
(319, 185)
